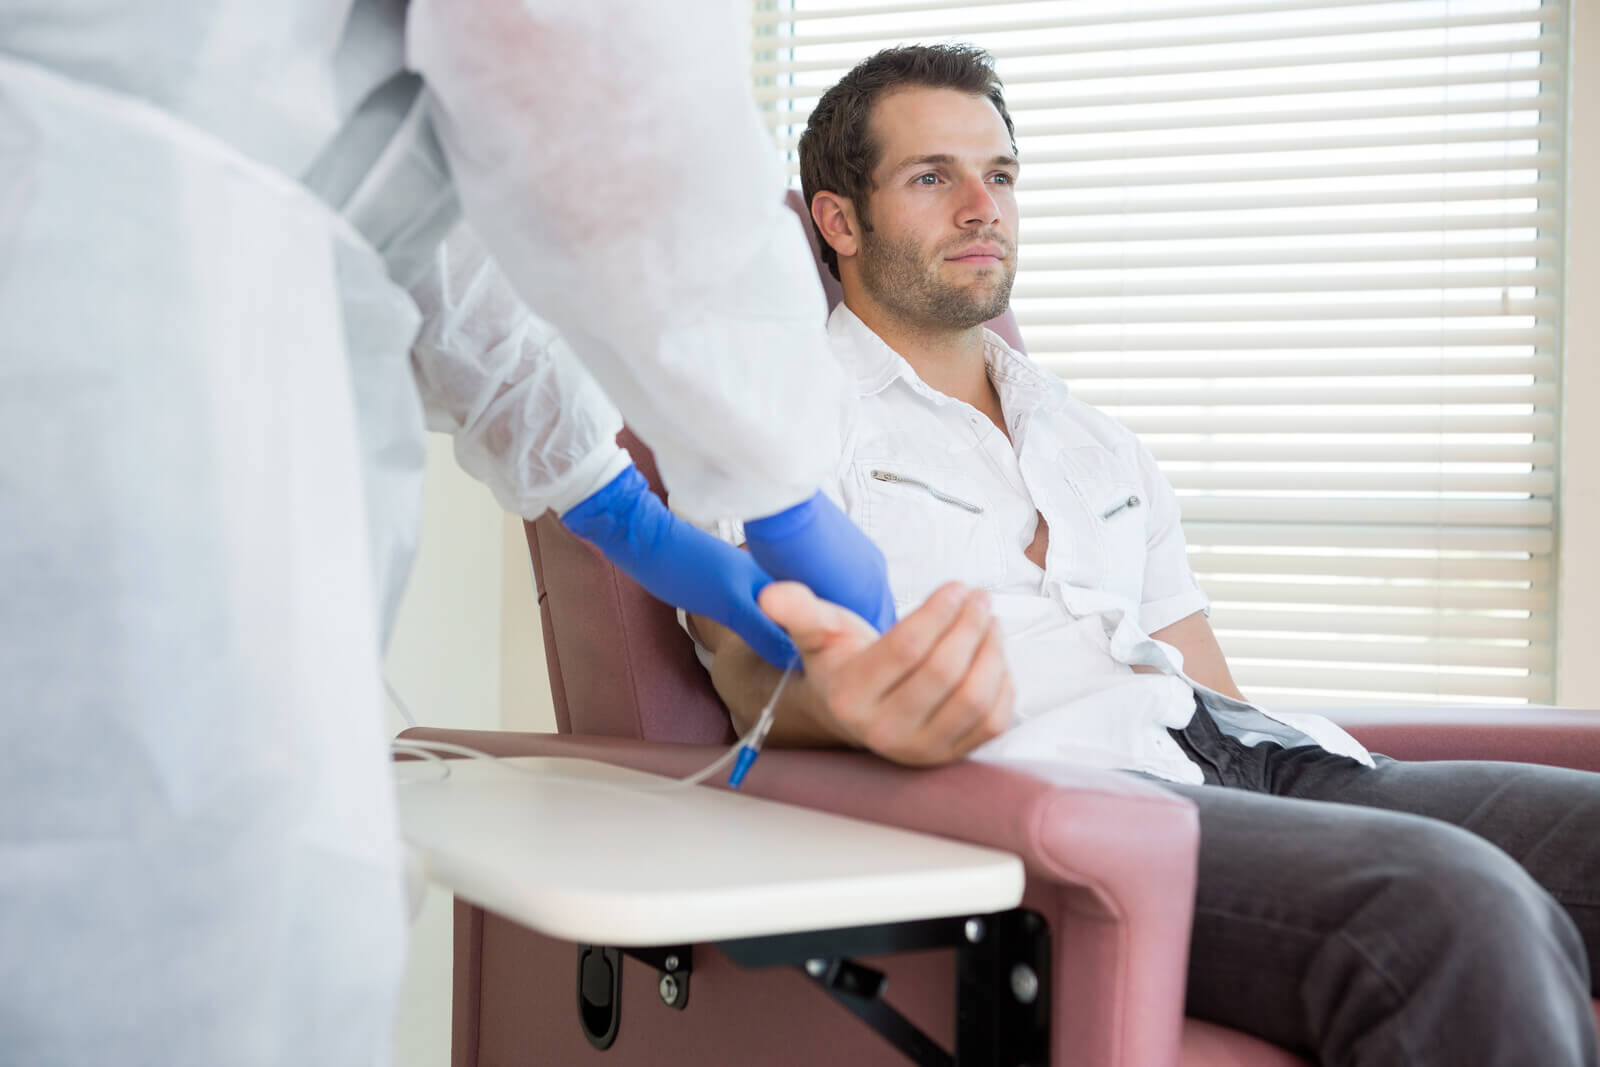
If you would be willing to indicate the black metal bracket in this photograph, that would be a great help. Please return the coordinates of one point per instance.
(673, 966)
(1003, 992)
(599, 994)
(1002, 982)
(600, 985)
(859, 989)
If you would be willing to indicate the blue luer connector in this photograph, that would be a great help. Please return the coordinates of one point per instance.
(741, 766)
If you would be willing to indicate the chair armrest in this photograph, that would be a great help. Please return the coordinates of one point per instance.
(1102, 830)
(1110, 860)
(1559, 737)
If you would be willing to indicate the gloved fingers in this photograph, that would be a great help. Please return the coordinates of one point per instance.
(764, 636)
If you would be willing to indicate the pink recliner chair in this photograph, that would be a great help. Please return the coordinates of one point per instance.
(1110, 863)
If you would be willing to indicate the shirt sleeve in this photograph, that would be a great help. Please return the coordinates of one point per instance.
(1171, 591)
(526, 418)
(627, 185)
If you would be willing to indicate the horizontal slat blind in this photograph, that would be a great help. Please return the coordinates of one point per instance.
(1310, 250)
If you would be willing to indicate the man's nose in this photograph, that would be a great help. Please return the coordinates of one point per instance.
(978, 206)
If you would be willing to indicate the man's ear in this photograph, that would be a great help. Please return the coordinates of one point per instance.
(835, 217)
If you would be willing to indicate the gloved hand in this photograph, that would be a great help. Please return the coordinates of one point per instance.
(817, 544)
(678, 562)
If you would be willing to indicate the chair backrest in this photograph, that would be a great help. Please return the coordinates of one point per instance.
(619, 663)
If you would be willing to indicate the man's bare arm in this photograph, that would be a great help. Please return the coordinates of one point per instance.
(745, 683)
(929, 691)
(1202, 656)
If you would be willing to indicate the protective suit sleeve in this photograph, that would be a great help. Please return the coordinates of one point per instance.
(612, 157)
(679, 563)
(527, 419)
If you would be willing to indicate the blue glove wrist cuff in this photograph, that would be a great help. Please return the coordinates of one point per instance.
(786, 523)
(816, 543)
(604, 515)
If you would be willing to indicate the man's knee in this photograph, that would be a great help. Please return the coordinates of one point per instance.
(1444, 933)
(1454, 887)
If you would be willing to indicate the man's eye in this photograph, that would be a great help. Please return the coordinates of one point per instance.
(1003, 179)
(925, 179)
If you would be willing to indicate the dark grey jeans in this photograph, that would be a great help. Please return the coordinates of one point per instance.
(1410, 914)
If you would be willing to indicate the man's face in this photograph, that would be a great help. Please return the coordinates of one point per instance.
(942, 249)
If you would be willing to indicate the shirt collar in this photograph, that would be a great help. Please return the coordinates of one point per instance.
(875, 365)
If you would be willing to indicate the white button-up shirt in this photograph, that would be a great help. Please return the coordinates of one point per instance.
(948, 497)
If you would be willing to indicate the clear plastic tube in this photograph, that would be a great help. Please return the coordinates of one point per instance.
(749, 746)
(744, 750)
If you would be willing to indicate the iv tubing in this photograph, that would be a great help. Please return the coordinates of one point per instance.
(745, 749)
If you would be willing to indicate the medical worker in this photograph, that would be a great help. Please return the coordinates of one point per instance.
(213, 216)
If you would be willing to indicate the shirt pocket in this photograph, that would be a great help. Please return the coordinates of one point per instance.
(1113, 513)
(934, 524)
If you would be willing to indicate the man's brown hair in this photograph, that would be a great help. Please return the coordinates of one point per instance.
(837, 152)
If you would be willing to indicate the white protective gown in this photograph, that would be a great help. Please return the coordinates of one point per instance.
(198, 862)
(491, 371)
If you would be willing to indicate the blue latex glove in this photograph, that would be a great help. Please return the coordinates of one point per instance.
(816, 543)
(678, 562)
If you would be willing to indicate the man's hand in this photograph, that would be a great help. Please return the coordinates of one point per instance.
(932, 689)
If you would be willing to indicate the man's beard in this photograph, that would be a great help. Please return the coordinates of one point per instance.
(894, 273)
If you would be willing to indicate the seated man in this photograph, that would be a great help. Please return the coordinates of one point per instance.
(1354, 908)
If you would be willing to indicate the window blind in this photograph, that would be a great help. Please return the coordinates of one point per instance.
(1310, 250)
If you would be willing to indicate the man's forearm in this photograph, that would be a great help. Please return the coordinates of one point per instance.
(929, 691)
(1202, 655)
(745, 683)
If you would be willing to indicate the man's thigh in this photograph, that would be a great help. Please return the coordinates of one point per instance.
(1545, 818)
(1322, 925)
